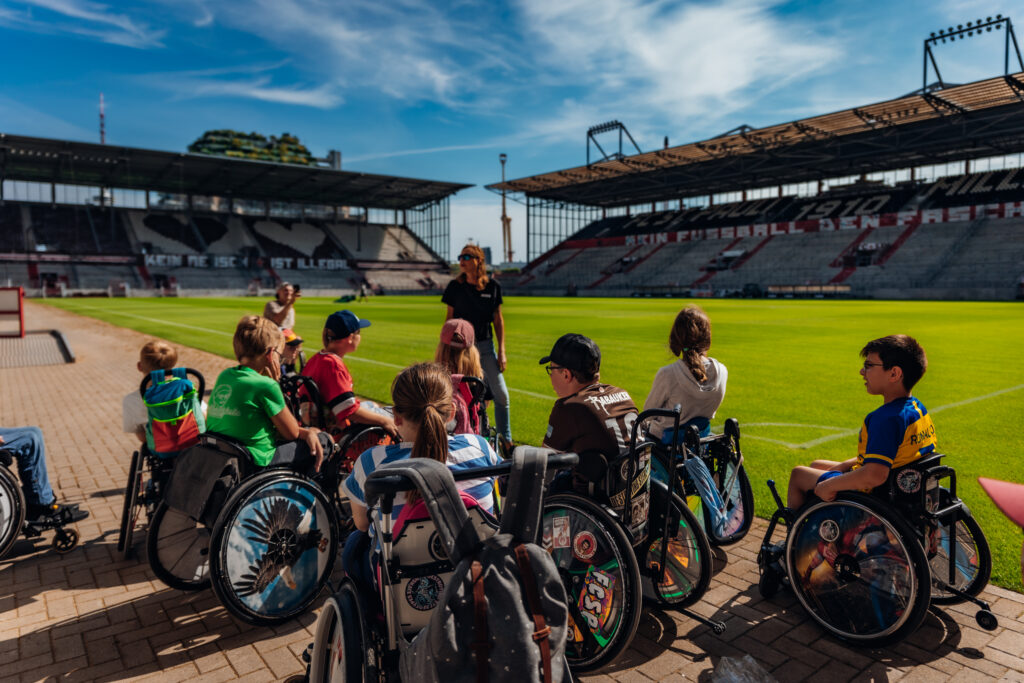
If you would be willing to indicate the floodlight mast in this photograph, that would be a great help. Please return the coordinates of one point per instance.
(607, 128)
(963, 31)
(506, 221)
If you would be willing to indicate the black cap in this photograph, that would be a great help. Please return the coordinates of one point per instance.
(575, 352)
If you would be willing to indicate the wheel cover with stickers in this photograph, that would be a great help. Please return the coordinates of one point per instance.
(12, 510)
(973, 559)
(130, 509)
(273, 547)
(858, 570)
(601, 578)
(178, 549)
(688, 562)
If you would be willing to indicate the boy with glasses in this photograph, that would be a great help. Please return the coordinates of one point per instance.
(897, 433)
(341, 336)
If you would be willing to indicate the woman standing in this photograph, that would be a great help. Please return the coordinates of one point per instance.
(477, 298)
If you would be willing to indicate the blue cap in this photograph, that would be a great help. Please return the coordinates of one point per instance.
(343, 323)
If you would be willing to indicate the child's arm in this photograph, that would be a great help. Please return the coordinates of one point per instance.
(867, 477)
(843, 466)
(140, 432)
(364, 415)
(290, 429)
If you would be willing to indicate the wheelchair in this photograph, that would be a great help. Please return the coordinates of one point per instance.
(359, 635)
(147, 477)
(724, 460)
(866, 567)
(610, 547)
(13, 509)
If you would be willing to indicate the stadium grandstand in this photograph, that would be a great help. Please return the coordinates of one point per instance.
(916, 197)
(82, 218)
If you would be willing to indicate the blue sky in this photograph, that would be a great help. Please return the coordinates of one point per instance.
(438, 90)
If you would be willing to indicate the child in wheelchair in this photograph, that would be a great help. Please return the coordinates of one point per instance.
(422, 397)
(26, 446)
(341, 336)
(897, 433)
(154, 355)
(247, 403)
(457, 353)
(696, 382)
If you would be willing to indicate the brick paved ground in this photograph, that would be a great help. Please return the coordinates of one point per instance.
(88, 615)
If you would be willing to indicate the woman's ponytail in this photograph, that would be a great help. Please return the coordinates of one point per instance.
(690, 339)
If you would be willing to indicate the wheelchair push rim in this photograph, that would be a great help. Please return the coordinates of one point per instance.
(688, 561)
(601, 577)
(178, 549)
(130, 509)
(12, 510)
(858, 570)
(273, 547)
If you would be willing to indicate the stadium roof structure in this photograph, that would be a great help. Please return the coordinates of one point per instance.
(984, 118)
(81, 163)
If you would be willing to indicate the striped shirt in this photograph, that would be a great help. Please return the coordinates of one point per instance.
(465, 452)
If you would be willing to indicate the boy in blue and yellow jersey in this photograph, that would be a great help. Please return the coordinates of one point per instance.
(898, 433)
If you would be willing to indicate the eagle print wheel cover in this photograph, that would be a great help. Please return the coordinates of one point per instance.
(279, 547)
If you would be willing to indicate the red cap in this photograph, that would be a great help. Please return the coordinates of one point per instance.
(1008, 497)
(458, 333)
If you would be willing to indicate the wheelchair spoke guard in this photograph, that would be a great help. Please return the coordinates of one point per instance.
(273, 547)
(12, 510)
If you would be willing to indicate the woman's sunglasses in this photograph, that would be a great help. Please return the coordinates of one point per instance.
(467, 257)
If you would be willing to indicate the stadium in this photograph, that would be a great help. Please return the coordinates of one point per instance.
(801, 240)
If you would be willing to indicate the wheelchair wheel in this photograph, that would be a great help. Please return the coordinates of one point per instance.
(178, 549)
(967, 551)
(341, 649)
(688, 562)
(738, 496)
(273, 547)
(130, 510)
(12, 510)
(859, 570)
(601, 577)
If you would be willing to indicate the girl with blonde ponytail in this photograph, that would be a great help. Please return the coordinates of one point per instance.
(422, 400)
(696, 382)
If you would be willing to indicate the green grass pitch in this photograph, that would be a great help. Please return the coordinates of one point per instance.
(793, 370)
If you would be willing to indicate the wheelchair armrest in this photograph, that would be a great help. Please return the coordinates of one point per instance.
(593, 465)
(6, 457)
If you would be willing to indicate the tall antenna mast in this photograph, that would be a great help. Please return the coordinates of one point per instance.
(103, 129)
(506, 221)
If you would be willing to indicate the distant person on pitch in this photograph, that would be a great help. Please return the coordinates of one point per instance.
(281, 309)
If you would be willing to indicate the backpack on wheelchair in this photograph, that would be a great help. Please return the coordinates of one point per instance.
(151, 465)
(866, 567)
(625, 541)
(448, 582)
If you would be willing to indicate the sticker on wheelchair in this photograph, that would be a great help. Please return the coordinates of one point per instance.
(584, 545)
(595, 601)
(424, 592)
(560, 532)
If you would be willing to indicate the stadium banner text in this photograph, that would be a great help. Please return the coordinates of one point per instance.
(228, 261)
(863, 222)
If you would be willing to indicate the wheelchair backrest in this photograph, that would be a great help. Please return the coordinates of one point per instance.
(419, 567)
(914, 486)
(303, 398)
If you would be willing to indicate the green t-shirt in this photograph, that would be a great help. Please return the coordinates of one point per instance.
(241, 406)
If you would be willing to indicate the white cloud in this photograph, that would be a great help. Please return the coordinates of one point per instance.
(664, 61)
(88, 19)
(253, 83)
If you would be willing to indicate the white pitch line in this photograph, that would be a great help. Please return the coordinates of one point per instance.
(978, 398)
(791, 424)
(227, 334)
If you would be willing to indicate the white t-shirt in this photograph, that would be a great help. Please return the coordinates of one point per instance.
(133, 411)
(275, 307)
(675, 385)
